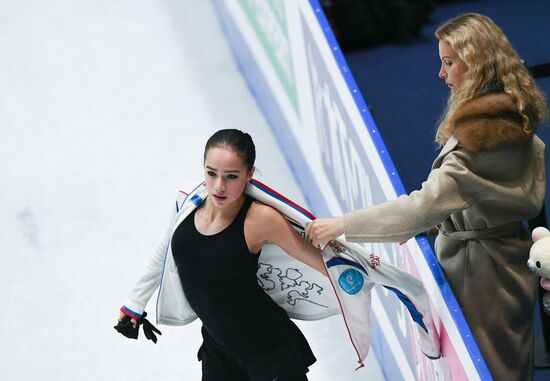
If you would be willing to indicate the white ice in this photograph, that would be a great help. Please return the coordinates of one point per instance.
(105, 106)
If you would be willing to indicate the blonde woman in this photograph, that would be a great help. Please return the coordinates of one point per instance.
(487, 179)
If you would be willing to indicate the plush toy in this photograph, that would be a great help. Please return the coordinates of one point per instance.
(539, 262)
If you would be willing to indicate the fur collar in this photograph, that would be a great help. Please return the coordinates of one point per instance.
(488, 122)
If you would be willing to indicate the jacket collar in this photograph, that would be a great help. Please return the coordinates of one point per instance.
(488, 122)
(448, 147)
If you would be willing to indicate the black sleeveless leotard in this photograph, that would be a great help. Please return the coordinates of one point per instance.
(218, 275)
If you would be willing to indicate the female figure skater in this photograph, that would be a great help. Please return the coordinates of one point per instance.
(246, 335)
(488, 177)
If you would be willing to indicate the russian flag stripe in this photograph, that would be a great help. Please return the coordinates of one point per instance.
(282, 198)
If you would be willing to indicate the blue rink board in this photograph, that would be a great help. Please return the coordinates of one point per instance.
(275, 117)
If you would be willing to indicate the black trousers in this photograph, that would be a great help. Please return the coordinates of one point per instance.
(284, 362)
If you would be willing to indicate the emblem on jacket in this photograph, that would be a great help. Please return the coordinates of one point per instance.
(336, 246)
(374, 261)
(351, 281)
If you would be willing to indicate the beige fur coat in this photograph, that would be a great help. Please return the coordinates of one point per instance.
(488, 177)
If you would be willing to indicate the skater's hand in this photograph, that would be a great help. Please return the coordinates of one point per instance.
(126, 327)
(129, 327)
(122, 315)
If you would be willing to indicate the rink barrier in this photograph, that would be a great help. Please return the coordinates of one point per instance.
(293, 65)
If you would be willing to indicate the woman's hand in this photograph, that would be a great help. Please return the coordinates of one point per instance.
(323, 230)
(134, 321)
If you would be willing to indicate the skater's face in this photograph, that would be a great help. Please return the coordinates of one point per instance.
(452, 66)
(226, 175)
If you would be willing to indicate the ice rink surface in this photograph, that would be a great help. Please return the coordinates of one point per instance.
(105, 106)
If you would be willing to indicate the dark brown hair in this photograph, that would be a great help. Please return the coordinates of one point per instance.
(236, 140)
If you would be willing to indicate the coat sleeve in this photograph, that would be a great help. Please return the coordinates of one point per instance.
(452, 187)
(149, 280)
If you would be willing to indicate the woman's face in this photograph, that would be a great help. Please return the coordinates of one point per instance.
(226, 175)
(452, 67)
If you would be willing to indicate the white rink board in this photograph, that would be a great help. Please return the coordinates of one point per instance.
(290, 58)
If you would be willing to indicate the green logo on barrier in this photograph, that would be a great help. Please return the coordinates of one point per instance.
(268, 19)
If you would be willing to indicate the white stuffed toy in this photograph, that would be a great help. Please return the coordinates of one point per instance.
(539, 262)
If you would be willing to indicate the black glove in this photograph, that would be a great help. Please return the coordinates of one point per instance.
(126, 328)
(148, 328)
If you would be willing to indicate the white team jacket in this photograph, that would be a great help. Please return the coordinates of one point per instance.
(303, 292)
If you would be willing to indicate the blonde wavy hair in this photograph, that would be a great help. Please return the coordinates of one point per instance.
(493, 66)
